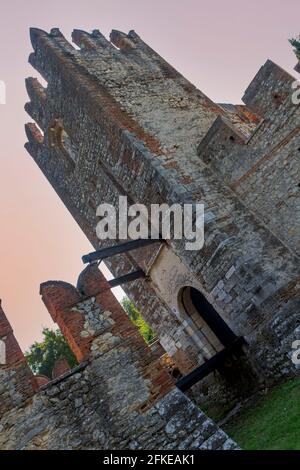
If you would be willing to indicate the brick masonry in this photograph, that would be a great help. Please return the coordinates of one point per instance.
(17, 383)
(119, 397)
(117, 119)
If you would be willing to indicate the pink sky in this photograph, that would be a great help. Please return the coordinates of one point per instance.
(218, 45)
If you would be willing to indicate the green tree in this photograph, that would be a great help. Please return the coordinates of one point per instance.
(138, 320)
(41, 356)
(296, 45)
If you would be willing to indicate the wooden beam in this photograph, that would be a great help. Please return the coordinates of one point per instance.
(117, 249)
(209, 366)
(127, 278)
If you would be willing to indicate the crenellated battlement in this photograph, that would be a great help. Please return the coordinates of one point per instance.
(95, 324)
(17, 382)
(269, 89)
(119, 397)
(117, 119)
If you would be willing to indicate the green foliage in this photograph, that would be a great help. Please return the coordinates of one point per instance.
(271, 424)
(296, 45)
(41, 356)
(138, 320)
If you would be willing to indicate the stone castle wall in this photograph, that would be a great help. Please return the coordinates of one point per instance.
(116, 119)
(119, 397)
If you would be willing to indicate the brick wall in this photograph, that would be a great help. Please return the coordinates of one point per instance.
(17, 382)
(94, 320)
(119, 397)
(135, 125)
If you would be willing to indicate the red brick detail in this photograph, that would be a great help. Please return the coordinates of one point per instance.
(61, 366)
(94, 284)
(91, 282)
(41, 380)
(59, 297)
(14, 357)
(62, 299)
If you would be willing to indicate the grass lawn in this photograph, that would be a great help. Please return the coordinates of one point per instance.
(272, 423)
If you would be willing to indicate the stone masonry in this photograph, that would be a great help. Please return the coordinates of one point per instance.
(116, 119)
(119, 397)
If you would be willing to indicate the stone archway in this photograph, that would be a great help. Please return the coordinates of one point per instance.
(208, 330)
(214, 339)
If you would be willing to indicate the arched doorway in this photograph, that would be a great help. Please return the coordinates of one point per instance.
(209, 315)
(213, 337)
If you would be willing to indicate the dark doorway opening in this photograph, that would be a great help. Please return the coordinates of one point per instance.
(212, 318)
(211, 331)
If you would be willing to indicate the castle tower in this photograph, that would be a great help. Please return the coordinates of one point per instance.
(116, 119)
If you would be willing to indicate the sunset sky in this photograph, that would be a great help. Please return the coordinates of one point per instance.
(218, 45)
